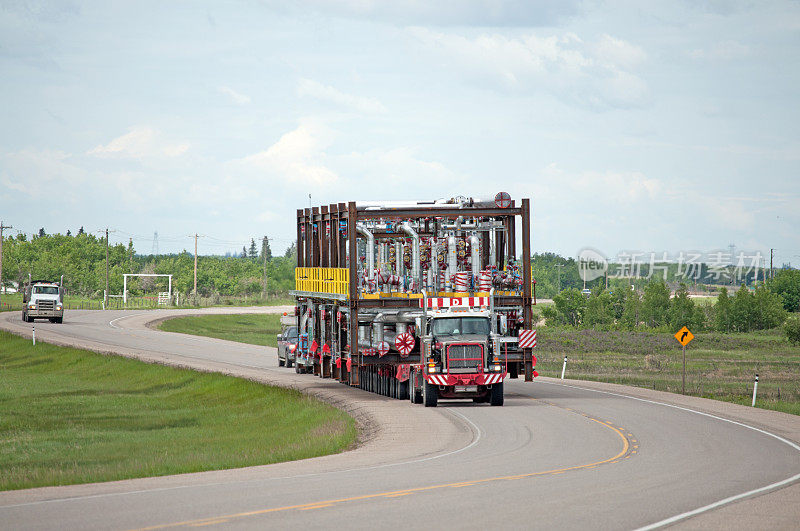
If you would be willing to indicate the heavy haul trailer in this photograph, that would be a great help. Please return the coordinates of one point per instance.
(415, 300)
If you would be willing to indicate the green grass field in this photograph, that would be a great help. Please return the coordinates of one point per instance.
(71, 416)
(256, 329)
(718, 366)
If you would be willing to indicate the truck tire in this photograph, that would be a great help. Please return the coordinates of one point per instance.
(430, 395)
(496, 394)
(402, 391)
(281, 363)
(289, 363)
(59, 320)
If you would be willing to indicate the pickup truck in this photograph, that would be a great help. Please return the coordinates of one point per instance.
(287, 345)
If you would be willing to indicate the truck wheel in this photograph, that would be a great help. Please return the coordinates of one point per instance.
(496, 396)
(59, 320)
(281, 363)
(402, 392)
(289, 363)
(430, 395)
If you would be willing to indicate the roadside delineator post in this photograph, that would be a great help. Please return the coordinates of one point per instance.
(34, 336)
(755, 390)
(564, 367)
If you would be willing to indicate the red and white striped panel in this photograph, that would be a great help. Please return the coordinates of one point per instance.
(437, 379)
(493, 378)
(449, 302)
(527, 338)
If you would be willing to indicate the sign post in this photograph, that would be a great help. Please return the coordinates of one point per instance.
(684, 336)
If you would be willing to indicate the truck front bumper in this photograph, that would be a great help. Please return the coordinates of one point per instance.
(488, 378)
(42, 314)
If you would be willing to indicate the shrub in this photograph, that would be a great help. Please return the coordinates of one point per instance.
(787, 284)
(792, 329)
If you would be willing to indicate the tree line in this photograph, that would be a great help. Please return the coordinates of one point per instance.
(766, 306)
(81, 258)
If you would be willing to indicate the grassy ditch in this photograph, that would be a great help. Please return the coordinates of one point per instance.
(256, 329)
(72, 416)
(718, 366)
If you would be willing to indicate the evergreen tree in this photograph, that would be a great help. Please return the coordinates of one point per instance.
(253, 249)
(265, 250)
(69, 233)
(81, 231)
(244, 252)
(42, 233)
(291, 251)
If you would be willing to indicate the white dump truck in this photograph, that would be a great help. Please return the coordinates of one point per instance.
(43, 299)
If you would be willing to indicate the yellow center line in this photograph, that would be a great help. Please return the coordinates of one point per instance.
(391, 494)
(319, 506)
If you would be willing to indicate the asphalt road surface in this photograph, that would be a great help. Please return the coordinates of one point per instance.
(558, 455)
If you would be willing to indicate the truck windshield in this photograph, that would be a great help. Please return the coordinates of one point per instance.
(45, 290)
(450, 326)
(291, 332)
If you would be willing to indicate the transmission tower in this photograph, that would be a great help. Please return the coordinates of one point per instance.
(155, 244)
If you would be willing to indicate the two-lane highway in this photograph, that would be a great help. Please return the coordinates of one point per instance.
(557, 455)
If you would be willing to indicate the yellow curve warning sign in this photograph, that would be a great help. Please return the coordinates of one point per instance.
(684, 336)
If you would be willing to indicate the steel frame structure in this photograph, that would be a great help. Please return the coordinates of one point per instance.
(327, 236)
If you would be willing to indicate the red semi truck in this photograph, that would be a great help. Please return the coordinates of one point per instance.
(421, 300)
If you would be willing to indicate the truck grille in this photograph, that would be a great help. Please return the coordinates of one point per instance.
(45, 305)
(461, 357)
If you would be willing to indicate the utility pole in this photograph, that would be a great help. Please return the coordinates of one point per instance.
(264, 254)
(559, 266)
(105, 297)
(195, 265)
(2, 227)
(771, 271)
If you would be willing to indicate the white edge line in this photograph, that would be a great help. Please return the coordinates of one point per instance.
(720, 503)
(112, 321)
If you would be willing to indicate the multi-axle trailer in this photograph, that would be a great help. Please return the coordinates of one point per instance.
(417, 300)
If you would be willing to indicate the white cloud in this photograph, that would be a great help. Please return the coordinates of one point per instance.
(138, 143)
(723, 50)
(594, 74)
(314, 89)
(237, 97)
(298, 158)
(391, 170)
(35, 173)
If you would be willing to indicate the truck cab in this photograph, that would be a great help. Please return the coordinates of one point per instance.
(459, 358)
(43, 300)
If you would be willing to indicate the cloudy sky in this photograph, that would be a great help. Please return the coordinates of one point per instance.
(662, 126)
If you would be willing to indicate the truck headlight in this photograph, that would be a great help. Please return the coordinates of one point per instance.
(58, 308)
(32, 307)
(497, 367)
